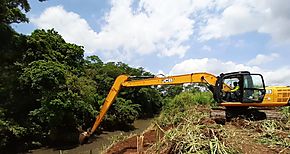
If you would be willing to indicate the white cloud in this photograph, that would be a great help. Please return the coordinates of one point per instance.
(150, 27)
(206, 48)
(272, 77)
(70, 25)
(237, 17)
(210, 65)
(263, 59)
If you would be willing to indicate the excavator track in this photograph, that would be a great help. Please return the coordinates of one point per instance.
(222, 114)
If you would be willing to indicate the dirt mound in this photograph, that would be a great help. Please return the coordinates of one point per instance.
(130, 145)
(148, 138)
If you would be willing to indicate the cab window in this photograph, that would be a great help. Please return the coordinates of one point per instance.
(253, 90)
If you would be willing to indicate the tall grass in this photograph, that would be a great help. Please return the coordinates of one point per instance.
(174, 110)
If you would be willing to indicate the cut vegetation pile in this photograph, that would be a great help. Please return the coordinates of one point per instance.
(185, 127)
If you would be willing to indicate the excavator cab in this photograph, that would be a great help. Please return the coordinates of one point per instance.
(242, 87)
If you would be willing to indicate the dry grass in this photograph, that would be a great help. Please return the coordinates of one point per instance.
(191, 134)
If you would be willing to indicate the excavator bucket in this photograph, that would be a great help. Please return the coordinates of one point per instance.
(83, 137)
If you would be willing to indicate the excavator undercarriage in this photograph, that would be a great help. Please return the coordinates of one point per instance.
(222, 115)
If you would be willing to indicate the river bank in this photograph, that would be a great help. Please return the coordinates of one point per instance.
(99, 142)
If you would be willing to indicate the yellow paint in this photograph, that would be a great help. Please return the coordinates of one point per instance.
(277, 95)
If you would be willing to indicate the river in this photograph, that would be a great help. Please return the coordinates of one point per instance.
(101, 141)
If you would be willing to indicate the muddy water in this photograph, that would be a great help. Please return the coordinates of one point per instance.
(99, 143)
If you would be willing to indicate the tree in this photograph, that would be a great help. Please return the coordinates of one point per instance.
(10, 51)
(63, 98)
(121, 115)
(50, 46)
(10, 11)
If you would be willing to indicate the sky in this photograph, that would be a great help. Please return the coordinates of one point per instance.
(175, 36)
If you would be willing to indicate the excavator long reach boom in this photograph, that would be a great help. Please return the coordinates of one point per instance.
(127, 81)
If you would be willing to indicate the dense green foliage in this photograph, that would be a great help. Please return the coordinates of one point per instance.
(10, 11)
(49, 91)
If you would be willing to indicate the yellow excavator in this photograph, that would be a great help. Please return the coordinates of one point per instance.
(250, 92)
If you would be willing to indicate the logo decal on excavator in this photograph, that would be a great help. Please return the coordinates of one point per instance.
(167, 80)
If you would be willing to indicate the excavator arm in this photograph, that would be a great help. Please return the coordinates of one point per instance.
(127, 81)
(171, 80)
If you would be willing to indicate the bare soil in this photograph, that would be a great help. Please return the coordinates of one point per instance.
(130, 145)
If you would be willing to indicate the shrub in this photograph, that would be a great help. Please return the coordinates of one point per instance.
(122, 114)
(204, 98)
(174, 109)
